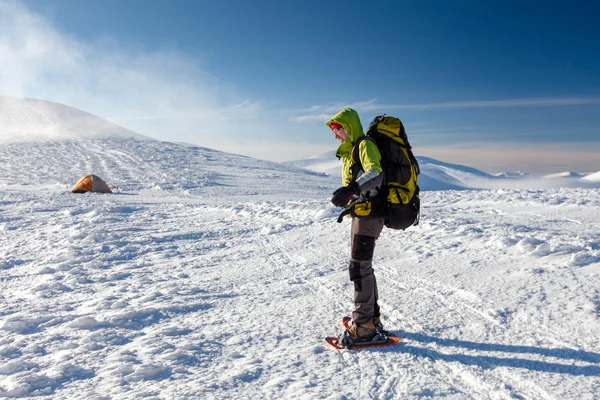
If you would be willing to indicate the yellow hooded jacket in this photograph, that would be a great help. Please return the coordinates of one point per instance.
(368, 153)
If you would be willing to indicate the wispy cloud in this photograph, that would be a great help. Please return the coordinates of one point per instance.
(162, 93)
(170, 95)
(323, 112)
(529, 102)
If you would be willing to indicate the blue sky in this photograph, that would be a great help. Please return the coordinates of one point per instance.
(495, 85)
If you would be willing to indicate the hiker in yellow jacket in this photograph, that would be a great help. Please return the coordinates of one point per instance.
(361, 182)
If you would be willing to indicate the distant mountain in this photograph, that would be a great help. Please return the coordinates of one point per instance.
(435, 175)
(513, 175)
(564, 175)
(595, 177)
(439, 175)
(23, 119)
(325, 162)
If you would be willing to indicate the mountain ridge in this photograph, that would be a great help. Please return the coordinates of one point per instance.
(440, 175)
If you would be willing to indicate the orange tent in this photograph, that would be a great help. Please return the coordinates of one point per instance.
(91, 183)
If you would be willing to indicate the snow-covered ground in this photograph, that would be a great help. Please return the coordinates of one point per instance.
(210, 275)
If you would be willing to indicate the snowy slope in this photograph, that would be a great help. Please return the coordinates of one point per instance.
(134, 165)
(566, 174)
(452, 175)
(215, 276)
(30, 119)
(595, 177)
(326, 162)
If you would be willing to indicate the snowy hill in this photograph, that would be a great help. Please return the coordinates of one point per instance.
(30, 119)
(53, 145)
(216, 276)
(134, 165)
(595, 177)
(451, 175)
(567, 174)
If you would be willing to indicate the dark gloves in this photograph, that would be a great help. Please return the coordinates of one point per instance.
(342, 196)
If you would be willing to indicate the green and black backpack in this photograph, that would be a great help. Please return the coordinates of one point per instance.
(400, 171)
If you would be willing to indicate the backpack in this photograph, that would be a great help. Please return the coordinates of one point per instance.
(400, 171)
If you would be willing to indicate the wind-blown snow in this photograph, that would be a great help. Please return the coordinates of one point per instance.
(210, 275)
(30, 119)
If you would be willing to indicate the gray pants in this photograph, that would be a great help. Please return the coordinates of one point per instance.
(363, 235)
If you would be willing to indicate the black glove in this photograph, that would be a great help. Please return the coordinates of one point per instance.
(342, 196)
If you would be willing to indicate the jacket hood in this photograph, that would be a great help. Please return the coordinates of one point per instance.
(350, 120)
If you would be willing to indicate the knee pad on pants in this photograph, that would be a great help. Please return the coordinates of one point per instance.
(362, 248)
(355, 276)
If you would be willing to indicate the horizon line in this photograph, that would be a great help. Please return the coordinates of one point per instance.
(320, 112)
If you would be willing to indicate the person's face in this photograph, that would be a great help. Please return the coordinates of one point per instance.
(340, 134)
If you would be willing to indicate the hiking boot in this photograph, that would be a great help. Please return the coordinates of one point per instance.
(378, 324)
(358, 333)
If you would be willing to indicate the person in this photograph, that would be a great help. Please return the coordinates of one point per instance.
(361, 184)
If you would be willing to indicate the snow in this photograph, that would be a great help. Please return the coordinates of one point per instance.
(595, 177)
(24, 119)
(211, 275)
(326, 163)
(513, 175)
(566, 174)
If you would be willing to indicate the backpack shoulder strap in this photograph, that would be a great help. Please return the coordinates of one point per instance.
(355, 149)
(357, 165)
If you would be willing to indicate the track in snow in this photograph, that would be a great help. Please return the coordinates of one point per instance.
(176, 293)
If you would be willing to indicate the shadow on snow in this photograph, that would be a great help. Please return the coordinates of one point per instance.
(490, 362)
